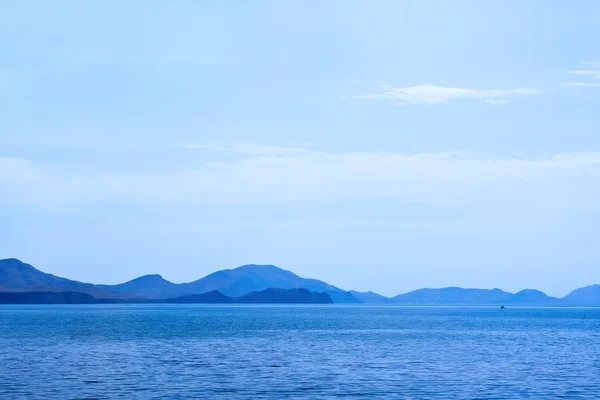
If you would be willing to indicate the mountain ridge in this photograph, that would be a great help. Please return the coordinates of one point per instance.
(584, 296)
(17, 276)
(452, 295)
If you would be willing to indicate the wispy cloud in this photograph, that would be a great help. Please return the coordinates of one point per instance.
(432, 95)
(591, 76)
(280, 174)
(582, 84)
(429, 94)
(589, 72)
(245, 148)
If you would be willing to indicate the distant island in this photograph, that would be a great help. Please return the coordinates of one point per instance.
(268, 296)
(21, 283)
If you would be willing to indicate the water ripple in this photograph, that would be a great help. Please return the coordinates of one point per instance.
(225, 352)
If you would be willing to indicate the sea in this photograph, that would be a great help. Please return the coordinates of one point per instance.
(298, 352)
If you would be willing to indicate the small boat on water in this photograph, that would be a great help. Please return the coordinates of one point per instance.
(502, 307)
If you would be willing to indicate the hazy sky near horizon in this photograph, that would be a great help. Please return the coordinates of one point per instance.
(380, 145)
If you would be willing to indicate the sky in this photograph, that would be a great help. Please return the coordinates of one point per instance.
(380, 145)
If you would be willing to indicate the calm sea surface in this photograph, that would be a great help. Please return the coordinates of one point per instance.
(297, 352)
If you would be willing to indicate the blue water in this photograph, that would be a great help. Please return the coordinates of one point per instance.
(297, 352)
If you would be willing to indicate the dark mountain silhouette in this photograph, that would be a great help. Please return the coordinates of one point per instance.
(531, 297)
(46, 298)
(371, 297)
(452, 296)
(251, 278)
(214, 296)
(16, 275)
(268, 296)
(585, 296)
(274, 295)
(150, 287)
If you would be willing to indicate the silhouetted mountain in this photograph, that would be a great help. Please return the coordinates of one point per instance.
(531, 297)
(252, 278)
(46, 298)
(214, 296)
(149, 286)
(268, 296)
(343, 297)
(585, 296)
(371, 297)
(15, 275)
(282, 296)
(452, 296)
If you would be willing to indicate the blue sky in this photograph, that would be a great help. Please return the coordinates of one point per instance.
(382, 145)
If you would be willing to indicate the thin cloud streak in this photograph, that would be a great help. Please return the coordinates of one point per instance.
(592, 74)
(434, 95)
(244, 148)
(582, 84)
(428, 94)
(263, 174)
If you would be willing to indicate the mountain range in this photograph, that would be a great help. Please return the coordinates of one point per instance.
(18, 276)
(268, 283)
